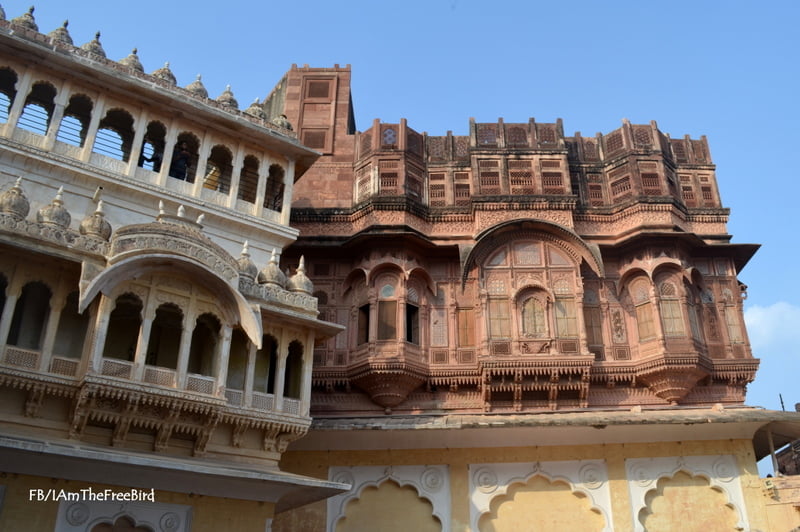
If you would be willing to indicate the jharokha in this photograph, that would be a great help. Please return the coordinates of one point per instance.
(269, 320)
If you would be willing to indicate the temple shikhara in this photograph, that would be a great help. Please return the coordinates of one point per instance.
(264, 319)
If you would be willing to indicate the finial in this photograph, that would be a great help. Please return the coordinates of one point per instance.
(181, 211)
(65, 24)
(99, 209)
(227, 87)
(301, 268)
(200, 219)
(166, 65)
(30, 10)
(135, 51)
(199, 78)
(246, 248)
(97, 36)
(18, 182)
(160, 208)
(59, 194)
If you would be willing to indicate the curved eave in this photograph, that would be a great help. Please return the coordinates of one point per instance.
(139, 265)
(553, 429)
(83, 462)
(589, 252)
(739, 253)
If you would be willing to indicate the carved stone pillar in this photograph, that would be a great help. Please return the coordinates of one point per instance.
(91, 131)
(184, 351)
(56, 306)
(288, 181)
(23, 88)
(280, 371)
(221, 356)
(8, 314)
(140, 358)
(101, 330)
(249, 375)
(61, 102)
(138, 142)
(236, 174)
(308, 364)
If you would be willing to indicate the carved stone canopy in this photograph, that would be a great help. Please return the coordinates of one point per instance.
(177, 247)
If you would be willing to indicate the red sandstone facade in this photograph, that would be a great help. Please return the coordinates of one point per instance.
(514, 268)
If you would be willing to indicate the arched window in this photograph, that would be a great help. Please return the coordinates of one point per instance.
(412, 315)
(8, 91)
(75, 122)
(499, 318)
(273, 196)
(248, 180)
(237, 361)
(266, 362)
(38, 108)
(593, 320)
(218, 170)
(534, 316)
(3, 287)
(693, 306)
(72, 328)
(124, 324)
(205, 338)
(293, 379)
(640, 294)
(152, 153)
(387, 311)
(165, 337)
(565, 310)
(183, 164)
(671, 315)
(30, 316)
(115, 135)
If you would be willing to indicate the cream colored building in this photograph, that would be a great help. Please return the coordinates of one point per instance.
(148, 338)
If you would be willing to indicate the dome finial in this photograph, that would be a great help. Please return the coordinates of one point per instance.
(61, 34)
(94, 47)
(26, 20)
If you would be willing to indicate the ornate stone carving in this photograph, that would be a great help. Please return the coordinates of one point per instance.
(431, 483)
(721, 472)
(588, 477)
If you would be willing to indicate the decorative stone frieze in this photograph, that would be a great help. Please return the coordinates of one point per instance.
(722, 473)
(431, 482)
(587, 477)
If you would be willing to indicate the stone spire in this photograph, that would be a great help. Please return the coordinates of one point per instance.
(166, 74)
(256, 110)
(55, 213)
(61, 34)
(96, 224)
(227, 99)
(272, 274)
(14, 202)
(26, 20)
(132, 61)
(197, 88)
(299, 282)
(94, 47)
(247, 268)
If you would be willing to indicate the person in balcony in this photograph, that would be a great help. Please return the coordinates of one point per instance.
(181, 160)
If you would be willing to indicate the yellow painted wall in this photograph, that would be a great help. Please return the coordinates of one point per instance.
(209, 514)
(312, 518)
(700, 507)
(541, 505)
(400, 509)
(782, 495)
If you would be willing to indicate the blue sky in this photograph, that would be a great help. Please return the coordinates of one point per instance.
(727, 70)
